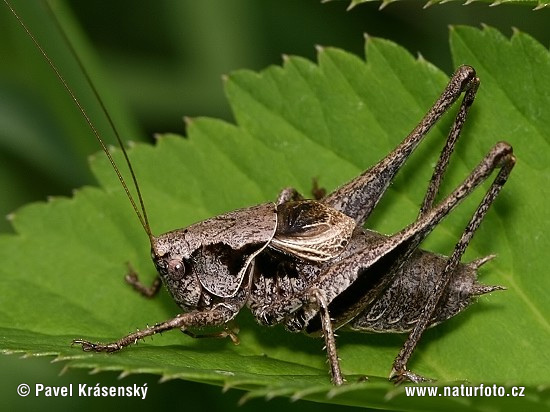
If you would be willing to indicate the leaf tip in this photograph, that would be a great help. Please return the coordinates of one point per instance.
(429, 3)
(541, 6)
(485, 26)
(320, 50)
(63, 370)
(367, 37)
(188, 121)
(165, 378)
(243, 400)
(351, 5)
(385, 3)
(124, 374)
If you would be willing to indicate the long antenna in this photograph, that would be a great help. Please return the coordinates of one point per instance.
(142, 216)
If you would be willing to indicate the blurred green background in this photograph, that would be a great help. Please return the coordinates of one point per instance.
(156, 62)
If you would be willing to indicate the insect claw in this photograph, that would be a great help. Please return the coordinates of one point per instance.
(398, 376)
(86, 345)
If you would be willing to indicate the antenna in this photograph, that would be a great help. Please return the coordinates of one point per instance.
(142, 215)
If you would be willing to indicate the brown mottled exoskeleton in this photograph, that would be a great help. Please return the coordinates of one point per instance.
(312, 266)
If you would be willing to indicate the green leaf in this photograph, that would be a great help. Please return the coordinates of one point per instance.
(535, 4)
(62, 272)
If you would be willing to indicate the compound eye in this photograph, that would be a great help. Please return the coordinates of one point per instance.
(176, 268)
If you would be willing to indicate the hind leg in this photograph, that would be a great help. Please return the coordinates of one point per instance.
(399, 371)
(359, 197)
